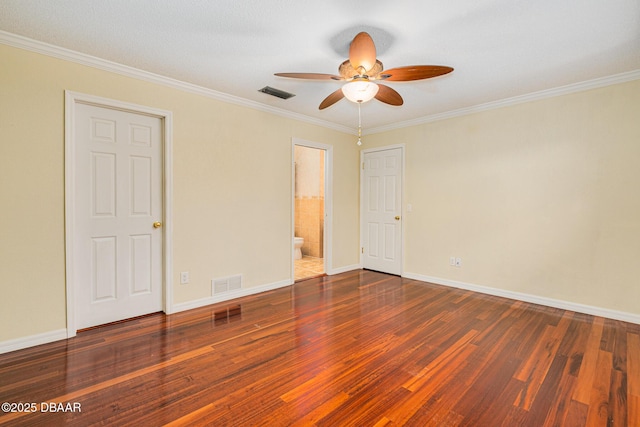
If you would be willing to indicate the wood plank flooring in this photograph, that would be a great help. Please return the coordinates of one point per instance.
(355, 349)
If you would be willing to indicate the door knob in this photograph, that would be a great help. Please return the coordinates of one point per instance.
(157, 224)
(398, 218)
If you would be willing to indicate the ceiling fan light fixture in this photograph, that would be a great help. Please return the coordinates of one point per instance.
(362, 69)
(360, 91)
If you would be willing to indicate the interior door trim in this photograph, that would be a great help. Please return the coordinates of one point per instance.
(402, 199)
(328, 201)
(71, 100)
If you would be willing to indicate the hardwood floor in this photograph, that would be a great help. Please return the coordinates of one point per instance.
(355, 349)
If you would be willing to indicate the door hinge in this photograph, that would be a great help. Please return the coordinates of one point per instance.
(362, 249)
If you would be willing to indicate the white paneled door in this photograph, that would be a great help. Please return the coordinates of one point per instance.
(382, 208)
(118, 214)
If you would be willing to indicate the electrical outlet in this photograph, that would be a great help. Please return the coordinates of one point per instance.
(184, 277)
(458, 262)
(452, 260)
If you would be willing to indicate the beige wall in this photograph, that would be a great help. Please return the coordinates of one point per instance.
(541, 198)
(231, 183)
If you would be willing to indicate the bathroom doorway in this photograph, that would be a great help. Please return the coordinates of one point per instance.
(311, 175)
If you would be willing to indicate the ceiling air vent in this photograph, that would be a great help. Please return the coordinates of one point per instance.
(276, 92)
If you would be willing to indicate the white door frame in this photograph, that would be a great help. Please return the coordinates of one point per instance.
(402, 198)
(328, 201)
(71, 100)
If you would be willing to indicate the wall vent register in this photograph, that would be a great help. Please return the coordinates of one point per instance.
(226, 284)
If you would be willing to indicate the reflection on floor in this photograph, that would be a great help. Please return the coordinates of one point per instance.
(308, 267)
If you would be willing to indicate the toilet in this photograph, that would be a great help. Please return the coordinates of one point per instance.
(297, 245)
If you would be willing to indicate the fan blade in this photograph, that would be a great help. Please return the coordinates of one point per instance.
(415, 72)
(388, 96)
(331, 99)
(362, 52)
(309, 76)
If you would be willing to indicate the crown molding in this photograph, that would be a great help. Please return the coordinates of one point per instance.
(535, 96)
(25, 43)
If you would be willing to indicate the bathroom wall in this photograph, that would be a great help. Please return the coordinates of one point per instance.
(309, 199)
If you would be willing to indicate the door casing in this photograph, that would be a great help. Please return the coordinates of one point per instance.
(402, 198)
(328, 200)
(71, 100)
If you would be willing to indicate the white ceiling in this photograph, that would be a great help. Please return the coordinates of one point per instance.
(498, 48)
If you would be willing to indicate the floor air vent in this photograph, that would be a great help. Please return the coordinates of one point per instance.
(276, 92)
(226, 284)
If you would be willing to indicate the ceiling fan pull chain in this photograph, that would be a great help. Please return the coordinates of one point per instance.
(359, 124)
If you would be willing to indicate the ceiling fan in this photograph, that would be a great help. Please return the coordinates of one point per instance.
(362, 70)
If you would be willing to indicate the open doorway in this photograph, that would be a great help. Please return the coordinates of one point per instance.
(310, 210)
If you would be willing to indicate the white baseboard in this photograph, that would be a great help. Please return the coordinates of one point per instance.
(60, 334)
(32, 340)
(183, 306)
(534, 299)
(249, 291)
(344, 269)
